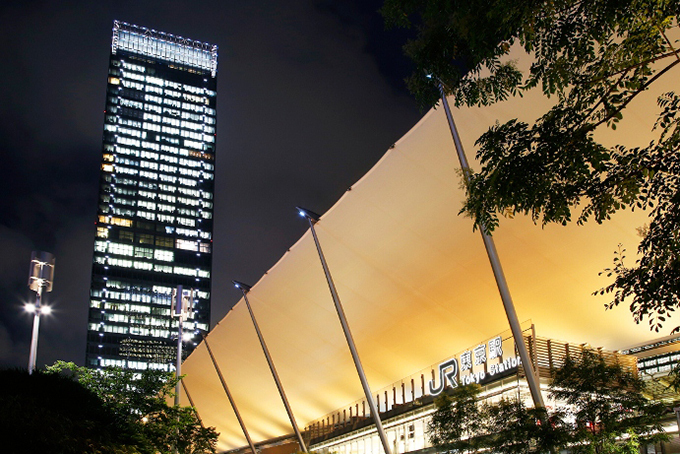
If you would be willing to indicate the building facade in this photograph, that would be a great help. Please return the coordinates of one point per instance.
(154, 221)
(406, 407)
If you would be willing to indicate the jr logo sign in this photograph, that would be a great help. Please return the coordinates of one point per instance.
(448, 371)
(452, 370)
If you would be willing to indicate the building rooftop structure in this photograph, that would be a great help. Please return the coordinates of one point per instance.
(164, 46)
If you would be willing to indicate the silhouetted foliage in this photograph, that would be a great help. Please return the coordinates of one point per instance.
(138, 402)
(602, 411)
(456, 422)
(47, 413)
(606, 402)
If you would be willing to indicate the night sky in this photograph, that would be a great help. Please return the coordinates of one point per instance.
(310, 96)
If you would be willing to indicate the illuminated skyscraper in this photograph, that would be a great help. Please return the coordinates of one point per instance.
(154, 222)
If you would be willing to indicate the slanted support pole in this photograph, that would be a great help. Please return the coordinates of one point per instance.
(313, 218)
(502, 284)
(231, 399)
(191, 402)
(245, 289)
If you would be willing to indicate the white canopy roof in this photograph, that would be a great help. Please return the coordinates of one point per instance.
(414, 280)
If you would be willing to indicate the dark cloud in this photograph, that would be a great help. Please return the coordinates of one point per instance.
(310, 95)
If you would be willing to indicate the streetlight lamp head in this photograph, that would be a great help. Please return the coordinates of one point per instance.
(41, 272)
(308, 214)
(29, 307)
(45, 310)
(241, 286)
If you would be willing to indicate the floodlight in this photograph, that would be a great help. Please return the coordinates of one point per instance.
(305, 213)
(241, 286)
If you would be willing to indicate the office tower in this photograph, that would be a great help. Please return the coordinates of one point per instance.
(154, 222)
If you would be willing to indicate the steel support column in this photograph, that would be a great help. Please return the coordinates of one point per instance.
(502, 284)
(191, 402)
(313, 218)
(231, 399)
(180, 334)
(35, 332)
(245, 289)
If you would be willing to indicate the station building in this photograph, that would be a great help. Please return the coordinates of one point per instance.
(417, 290)
(406, 406)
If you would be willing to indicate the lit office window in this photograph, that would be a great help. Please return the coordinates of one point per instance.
(166, 256)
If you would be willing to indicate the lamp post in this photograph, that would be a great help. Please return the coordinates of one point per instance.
(40, 278)
(245, 289)
(495, 262)
(183, 304)
(313, 218)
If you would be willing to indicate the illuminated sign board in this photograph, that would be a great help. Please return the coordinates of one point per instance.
(483, 364)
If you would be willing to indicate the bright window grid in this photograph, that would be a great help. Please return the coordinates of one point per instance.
(119, 329)
(160, 291)
(185, 181)
(123, 163)
(181, 205)
(139, 365)
(180, 231)
(190, 94)
(147, 321)
(142, 132)
(122, 153)
(158, 81)
(161, 218)
(135, 313)
(197, 142)
(146, 266)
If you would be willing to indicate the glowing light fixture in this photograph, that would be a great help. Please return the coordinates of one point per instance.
(40, 277)
(241, 286)
(310, 215)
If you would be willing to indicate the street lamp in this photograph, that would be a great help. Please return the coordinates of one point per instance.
(40, 278)
(182, 306)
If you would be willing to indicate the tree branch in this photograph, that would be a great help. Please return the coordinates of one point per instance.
(651, 60)
(637, 92)
(603, 97)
